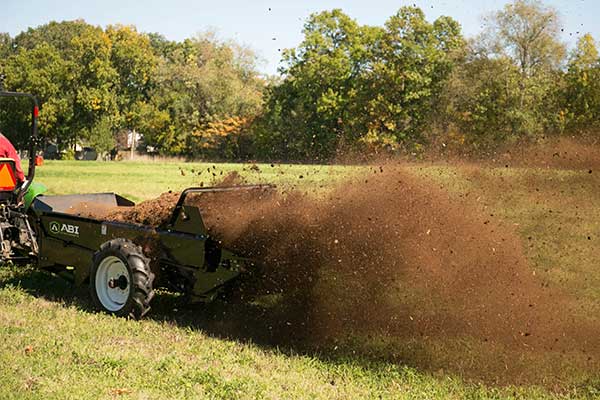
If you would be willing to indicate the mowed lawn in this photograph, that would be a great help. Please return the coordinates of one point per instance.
(143, 180)
(53, 346)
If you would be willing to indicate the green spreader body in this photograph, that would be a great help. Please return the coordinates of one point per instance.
(183, 255)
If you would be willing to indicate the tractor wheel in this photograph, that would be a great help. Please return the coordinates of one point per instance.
(121, 279)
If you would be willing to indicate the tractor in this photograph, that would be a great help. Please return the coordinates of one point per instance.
(123, 263)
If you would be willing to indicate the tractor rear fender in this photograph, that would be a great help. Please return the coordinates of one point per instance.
(35, 189)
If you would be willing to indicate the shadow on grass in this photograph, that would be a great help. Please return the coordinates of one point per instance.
(45, 285)
(282, 327)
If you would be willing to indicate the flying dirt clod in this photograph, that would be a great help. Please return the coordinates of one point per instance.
(403, 260)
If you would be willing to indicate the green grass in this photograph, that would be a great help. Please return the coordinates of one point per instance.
(54, 346)
(141, 181)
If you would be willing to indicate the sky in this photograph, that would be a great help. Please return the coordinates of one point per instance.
(266, 26)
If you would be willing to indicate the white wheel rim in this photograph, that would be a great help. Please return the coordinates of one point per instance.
(111, 296)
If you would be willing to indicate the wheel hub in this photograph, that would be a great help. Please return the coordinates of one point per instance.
(120, 283)
(112, 283)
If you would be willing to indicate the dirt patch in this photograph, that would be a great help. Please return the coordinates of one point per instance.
(91, 209)
(155, 212)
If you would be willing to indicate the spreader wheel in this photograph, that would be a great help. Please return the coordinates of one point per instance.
(121, 279)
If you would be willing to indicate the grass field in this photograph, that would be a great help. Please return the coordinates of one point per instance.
(141, 181)
(54, 346)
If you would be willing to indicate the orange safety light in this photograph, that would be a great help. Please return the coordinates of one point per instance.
(7, 177)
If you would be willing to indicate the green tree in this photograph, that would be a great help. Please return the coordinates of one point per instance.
(133, 58)
(93, 83)
(415, 60)
(100, 136)
(67, 65)
(135, 63)
(528, 32)
(155, 124)
(357, 86)
(97, 79)
(40, 70)
(508, 87)
(6, 46)
(582, 89)
(585, 55)
(323, 75)
(203, 81)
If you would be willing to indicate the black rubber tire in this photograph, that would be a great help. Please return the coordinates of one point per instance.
(140, 277)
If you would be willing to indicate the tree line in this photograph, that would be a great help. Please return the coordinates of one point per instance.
(95, 84)
(407, 86)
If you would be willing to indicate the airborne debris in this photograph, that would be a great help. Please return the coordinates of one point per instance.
(329, 293)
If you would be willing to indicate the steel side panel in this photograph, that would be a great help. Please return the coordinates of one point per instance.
(72, 241)
(190, 221)
(186, 250)
(59, 252)
(62, 203)
(87, 232)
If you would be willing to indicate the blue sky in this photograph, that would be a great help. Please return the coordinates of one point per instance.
(266, 26)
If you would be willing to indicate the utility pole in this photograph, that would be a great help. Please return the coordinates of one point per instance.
(133, 140)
